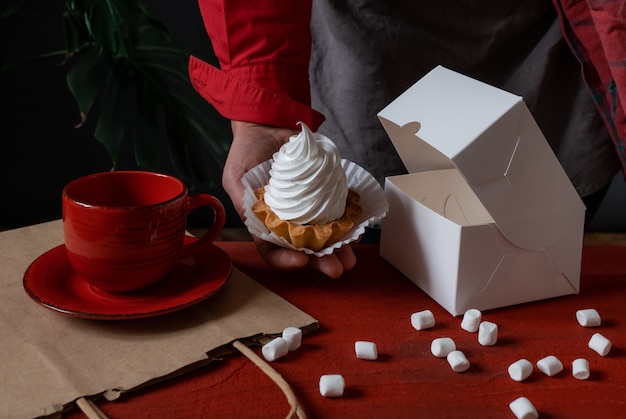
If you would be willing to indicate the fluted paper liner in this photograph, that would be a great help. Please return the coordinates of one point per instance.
(373, 203)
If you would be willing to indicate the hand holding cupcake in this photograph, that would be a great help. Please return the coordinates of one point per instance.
(308, 198)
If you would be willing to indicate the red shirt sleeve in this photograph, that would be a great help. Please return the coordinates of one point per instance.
(264, 48)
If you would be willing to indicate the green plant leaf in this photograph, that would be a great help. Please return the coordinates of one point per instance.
(147, 144)
(113, 25)
(197, 114)
(189, 155)
(85, 80)
(111, 123)
(74, 29)
(121, 53)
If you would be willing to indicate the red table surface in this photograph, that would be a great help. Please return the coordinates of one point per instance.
(374, 302)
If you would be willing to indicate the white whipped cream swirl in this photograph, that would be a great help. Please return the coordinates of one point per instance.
(307, 182)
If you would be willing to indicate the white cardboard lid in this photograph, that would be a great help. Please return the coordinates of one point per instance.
(448, 120)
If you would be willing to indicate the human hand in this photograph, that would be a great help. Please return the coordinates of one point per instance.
(253, 144)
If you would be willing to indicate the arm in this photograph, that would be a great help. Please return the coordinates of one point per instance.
(263, 48)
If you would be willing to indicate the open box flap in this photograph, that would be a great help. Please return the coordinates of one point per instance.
(447, 120)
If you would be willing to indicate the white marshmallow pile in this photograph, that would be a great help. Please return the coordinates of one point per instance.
(290, 340)
(588, 318)
(600, 344)
(550, 365)
(458, 361)
(522, 408)
(423, 320)
(487, 333)
(332, 385)
(366, 350)
(520, 370)
(445, 347)
(591, 318)
(471, 320)
(441, 347)
(580, 369)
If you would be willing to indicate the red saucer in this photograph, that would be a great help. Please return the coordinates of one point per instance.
(51, 282)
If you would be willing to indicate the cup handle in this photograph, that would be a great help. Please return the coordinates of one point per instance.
(219, 218)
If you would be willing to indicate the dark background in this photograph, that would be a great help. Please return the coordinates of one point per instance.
(40, 151)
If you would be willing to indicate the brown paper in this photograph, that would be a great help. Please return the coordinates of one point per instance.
(50, 359)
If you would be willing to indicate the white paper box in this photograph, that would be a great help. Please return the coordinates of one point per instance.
(486, 217)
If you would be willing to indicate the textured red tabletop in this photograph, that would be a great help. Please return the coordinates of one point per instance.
(374, 302)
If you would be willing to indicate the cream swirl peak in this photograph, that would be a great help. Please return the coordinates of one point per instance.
(307, 182)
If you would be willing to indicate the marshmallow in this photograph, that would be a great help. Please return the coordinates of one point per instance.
(588, 317)
(600, 344)
(487, 333)
(332, 385)
(458, 361)
(580, 369)
(422, 320)
(520, 370)
(471, 320)
(293, 336)
(550, 365)
(366, 350)
(441, 347)
(275, 349)
(522, 408)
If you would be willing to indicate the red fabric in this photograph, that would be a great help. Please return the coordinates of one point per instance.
(264, 49)
(596, 32)
(374, 302)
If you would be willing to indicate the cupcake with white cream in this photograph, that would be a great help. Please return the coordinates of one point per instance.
(307, 197)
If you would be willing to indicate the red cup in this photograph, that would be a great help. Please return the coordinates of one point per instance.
(125, 230)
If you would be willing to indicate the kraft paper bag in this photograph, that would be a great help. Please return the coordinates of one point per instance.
(50, 359)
